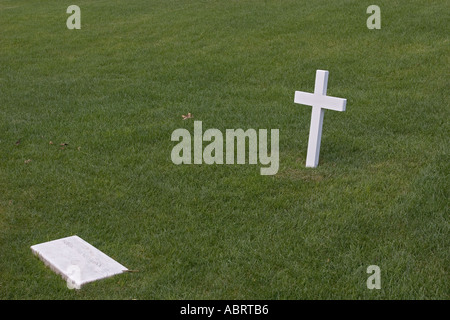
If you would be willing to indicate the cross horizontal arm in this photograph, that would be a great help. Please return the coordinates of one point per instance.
(327, 102)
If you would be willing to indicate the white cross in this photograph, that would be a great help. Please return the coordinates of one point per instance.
(319, 101)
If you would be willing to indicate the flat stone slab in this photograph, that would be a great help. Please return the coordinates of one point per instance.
(77, 261)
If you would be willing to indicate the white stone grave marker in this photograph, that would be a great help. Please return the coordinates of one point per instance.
(319, 101)
(77, 261)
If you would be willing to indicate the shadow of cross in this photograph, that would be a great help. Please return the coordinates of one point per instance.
(319, 102)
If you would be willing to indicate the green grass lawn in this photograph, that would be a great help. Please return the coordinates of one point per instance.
(115, 90)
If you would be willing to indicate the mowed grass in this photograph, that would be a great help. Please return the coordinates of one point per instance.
(114, 92)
